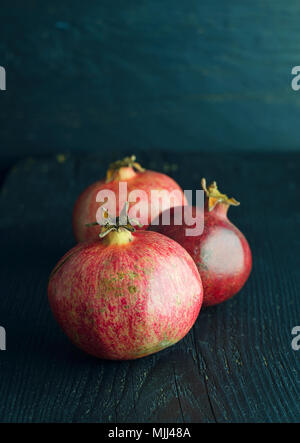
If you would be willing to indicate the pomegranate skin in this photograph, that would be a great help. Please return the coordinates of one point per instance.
(86, 206)
(221, 253)
(126, 302)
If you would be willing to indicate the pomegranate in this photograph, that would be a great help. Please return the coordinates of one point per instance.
(221, 252)
(137, 178)
(127, 295)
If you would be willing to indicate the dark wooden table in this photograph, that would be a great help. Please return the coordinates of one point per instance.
(236, 364)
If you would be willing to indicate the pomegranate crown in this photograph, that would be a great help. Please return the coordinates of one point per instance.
(127, 162)
(215, 196)
(119, 224)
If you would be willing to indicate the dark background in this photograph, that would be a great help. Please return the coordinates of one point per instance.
(195, 88)
(166, 75)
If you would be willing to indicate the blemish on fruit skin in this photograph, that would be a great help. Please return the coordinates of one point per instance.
(121, 275)
(133, 275)
(132, 289)
(154, 348)
(178, 301)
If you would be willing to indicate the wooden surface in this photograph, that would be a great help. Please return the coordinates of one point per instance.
(236, 364)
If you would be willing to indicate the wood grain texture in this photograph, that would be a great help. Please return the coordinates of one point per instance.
(236, 364)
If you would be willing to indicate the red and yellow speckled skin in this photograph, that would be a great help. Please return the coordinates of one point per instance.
(86, 206)
(126, 302)
(221, 253)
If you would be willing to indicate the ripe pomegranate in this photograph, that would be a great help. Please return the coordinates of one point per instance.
(221, 252)
(137, 178)
(126, 296)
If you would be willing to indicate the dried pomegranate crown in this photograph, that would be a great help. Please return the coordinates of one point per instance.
(127, 162)
(215, 196)
(121, 223)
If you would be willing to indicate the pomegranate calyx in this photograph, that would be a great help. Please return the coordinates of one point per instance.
(128, 166)
(215, 196)
(118, 230)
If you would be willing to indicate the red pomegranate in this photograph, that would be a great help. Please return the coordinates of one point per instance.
(126, 296)
(221, 252)
(137, 178)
